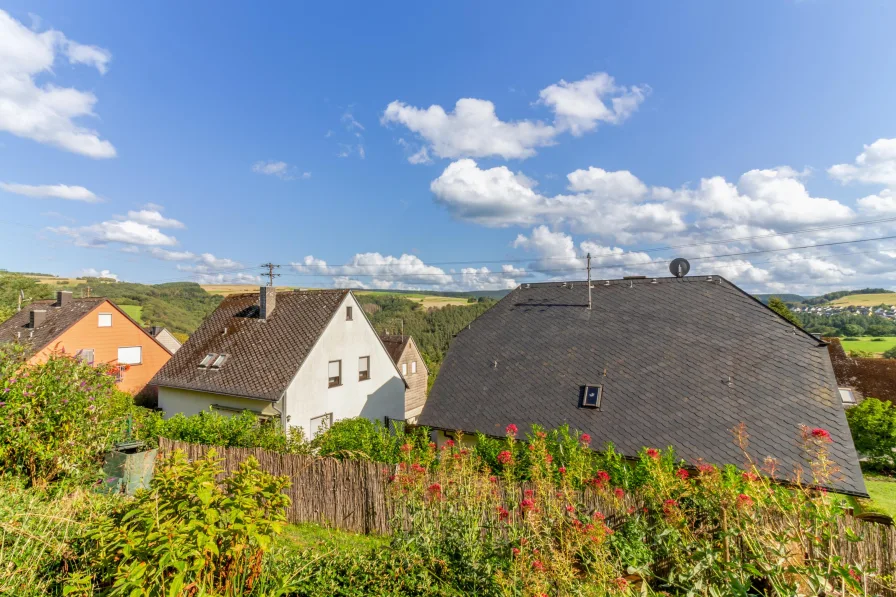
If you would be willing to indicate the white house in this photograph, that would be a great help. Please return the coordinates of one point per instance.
(310, 357)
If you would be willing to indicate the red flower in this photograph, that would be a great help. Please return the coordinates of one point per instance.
(653, 453)
(549, 459)
(570, 508)
(744, 501)
(505, 457)
(682, 474)
(435, 489)
(562, 470)
(406, 448)
(585, 438)
(601, 478)
(450, 443)
(531, 447)
(528, 493)
(706, 469)
(619, 493)
(821, 434)
(750, 477)
(527, 504)
(511, 429)
(537, 565)
(855, 575)
(621, 584)
(515, 551)
(669, 506)
(493, 479)
(599, 516)
(503, 514)
(432, 445)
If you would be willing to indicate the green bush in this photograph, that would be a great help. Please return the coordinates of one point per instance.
(873, 426)
(57, 417)
(861, 354)
(189, 529)
(890, 354)
(851, 339)
(367, 440)
(211, 428)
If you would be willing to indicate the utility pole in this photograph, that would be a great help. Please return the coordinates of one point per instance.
(270, 274)
(88, 292)
(21, 298)
(588, 258)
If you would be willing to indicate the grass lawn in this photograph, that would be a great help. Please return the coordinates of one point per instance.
(866, 300)
(883, 494)
(868, 343)
(299, 537)
(134, 311)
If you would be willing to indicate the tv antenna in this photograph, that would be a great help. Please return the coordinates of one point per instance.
(270, 274)
(679, 267)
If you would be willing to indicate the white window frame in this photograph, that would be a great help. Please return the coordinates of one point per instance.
(413, 367)
(208, 360)
(120, 362)
(362, 371)
(404, 368)
(80, 355)
(851, 393)
(338, 382)
(99, 320)
(348, 313)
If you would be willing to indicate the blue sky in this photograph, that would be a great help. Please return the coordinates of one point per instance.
(196, 141)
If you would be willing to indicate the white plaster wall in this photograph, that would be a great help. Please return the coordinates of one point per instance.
(380, 396)
(188, 402)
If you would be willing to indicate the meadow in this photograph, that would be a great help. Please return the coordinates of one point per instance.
(869, 344)
(135, 312)
(866, 300)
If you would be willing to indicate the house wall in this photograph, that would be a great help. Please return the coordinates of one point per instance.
(105, 341)
(189, 402)
(415, 396)
(309, 396)
(168, 340)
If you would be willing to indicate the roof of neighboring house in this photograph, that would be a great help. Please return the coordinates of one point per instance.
(872, 378)
(395, 345)
(681, 363)
(58, 320)
(264, 355)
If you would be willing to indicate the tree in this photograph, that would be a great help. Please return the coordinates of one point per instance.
(890, 354)
(11, 285)
(852, 329)
(780, 307)
(873, 427)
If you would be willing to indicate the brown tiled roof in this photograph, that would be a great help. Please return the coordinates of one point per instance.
(872, 378)
(681, 362)
(264, 356)
(59, 319)
(395, 345)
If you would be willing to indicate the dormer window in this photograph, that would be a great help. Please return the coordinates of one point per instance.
(207, 360)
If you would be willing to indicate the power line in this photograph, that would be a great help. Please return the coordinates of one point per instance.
(271, 275)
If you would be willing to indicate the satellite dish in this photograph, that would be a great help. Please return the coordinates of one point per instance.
(679, 267)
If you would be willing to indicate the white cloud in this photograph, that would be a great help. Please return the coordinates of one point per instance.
(153, 217)
(877, 164)
(114, 231)
(94, 273)
(168, 255)
(882, 203)
(234, 278)
(281, 170)
(473, 128)
(57, 191)
(579, 106)
(44, 112)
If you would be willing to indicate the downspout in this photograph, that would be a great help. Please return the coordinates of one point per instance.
(283, 421)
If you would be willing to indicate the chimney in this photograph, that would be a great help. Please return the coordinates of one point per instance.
(266, 302)
(63, 298)
(37, 317)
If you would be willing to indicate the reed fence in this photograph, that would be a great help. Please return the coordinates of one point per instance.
(352, 495)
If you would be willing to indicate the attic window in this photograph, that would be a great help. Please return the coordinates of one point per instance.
(216, 364)
(592, 396)
(847, 396)
(348, 313)
(209, 358)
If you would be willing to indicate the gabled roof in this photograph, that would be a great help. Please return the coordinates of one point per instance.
(870, 377)
(59, 319)
(395, 345)
(664, 353)
(263, 356)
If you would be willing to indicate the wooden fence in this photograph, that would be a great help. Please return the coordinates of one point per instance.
(351, 495)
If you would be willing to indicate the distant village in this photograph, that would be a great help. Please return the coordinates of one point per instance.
(887, 311)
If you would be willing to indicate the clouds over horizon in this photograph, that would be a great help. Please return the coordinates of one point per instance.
(55, 191)
(473, 129)
(44, 112)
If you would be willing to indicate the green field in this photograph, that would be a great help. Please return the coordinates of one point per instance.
(868, 344)
(866, 300)
(134, 311)
(883, 494)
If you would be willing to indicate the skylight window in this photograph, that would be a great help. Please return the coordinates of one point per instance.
(207, 360)
(216, 364)
(592, 396)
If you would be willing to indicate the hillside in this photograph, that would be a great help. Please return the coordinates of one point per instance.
(866, 300)
(787, 298)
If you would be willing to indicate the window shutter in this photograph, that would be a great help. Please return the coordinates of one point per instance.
(333, 369)
(130, 355)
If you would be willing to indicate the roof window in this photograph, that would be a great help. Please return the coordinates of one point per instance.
(219, 360)
(207, 360)
(592, 396)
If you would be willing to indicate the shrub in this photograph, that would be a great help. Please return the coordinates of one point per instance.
(861, 354)
(850, 339)
(211, 428)
(56, 417)
(367, 440)
(873, 426)
(187, 528)
(890, 354)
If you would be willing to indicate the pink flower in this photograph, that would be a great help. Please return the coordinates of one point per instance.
(450, 443)
(435, 489)
(744, 501)
(601, 478)
(821, 434)
(511, 430)
(537, 565)
(505, 457)
(669, 506)
(750, 476)
(503, 514)
(619, 493)
(585, 438)
(621, 584)
(653, 453)
(549, 459)
(682, 474)
(515, 551)
(570, 508)
(562, 470)
(493, 479)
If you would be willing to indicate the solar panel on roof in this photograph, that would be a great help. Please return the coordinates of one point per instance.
(592, 396)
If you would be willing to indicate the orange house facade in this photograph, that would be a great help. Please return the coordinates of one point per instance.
(94, 330)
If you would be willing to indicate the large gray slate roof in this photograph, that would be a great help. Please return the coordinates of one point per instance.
(264, 356)
(664, 353)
